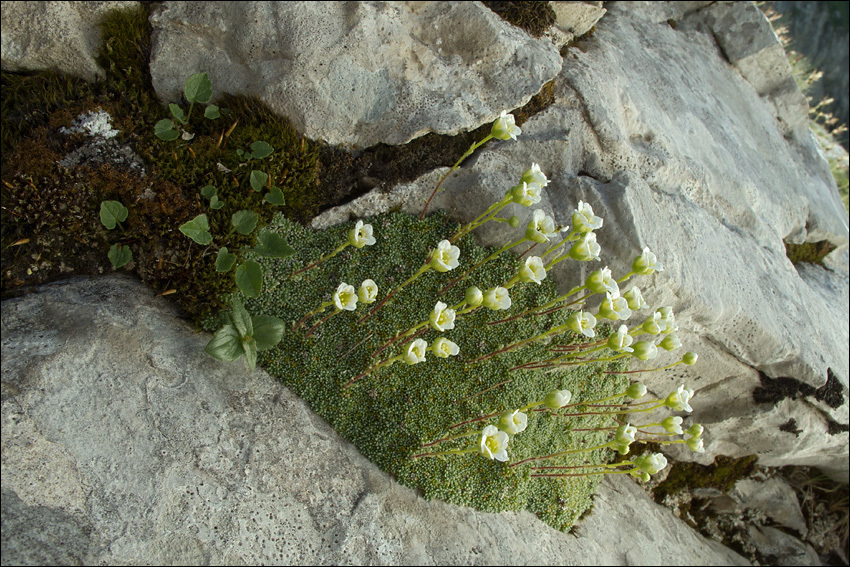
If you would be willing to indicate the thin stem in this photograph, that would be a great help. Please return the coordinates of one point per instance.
(321, 259)
(451, 438)
(471, 149)
(451, 452)
(475, 419)
(561, 454)
(581, 474)
(479, 264)
(322, 320)
(374, 310)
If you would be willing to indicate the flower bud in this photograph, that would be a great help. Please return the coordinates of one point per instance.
(636, 391)
(621, 340)
(513, 221)
(695, 430)
(600, 281)
(690, 358)
(673, 424)
(670, 342)
(695, 444)
(646, 263)
(645, 350)
(635, 299)
(556, 399)
(474, 296)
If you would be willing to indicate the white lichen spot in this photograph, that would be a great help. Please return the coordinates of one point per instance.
(95, 124)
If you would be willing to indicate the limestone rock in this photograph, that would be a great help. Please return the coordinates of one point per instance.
(355, 73)
(677, 151)
(54, 35)
(123, 443)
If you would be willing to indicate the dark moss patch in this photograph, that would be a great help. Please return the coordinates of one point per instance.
(809, 252)
(721, 475)
(790, 426)
(774, 390)
(534, 17)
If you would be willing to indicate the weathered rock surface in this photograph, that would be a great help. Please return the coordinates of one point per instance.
(355, 73)
(678, 151)
(124, 443)
(56, 35)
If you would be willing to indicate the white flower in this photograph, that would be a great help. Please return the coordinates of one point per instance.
(494, 443)
(582, 323)
(695, 444)
(614, 307)
(445, 257)
(416, 352)
(533, 270)
(668, 320)
(678, 400)
(653, 324)
(513, 422)
(673, 424)
(556, 399)
(345, 297)
(625, 434)
(444, 348)
(621, 341)
(441, 318)
(368, 292)
(541, 227)
(644, 350)
(534, 175)
(670, 342)
(361, 235)
(505, 128)
(497, 298)
(600, 281)
(586, 248)
(635, 299)
(651, 463)
(584, 220)
(646, 263)
(526, 194)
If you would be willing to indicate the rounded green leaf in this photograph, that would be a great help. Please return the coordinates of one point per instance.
(244, 221)
(111, 213)
(198, 88)
(258, 179)
(268, 331)
(249, 278)
(241, 319)
(226, 344)
(164, 130)
(215, 203)
(249, 345)
(272, 245)
(259, 150)
(177, 112)
(224, 260)
(198, 230)
(119, 255)
(275, 196)
(209, 191)
(211, 112)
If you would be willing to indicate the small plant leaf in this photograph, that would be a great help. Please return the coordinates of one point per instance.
(211, 112)
(209, 191)
(164, 130)
(275, 196)
(268, 331)
(198, 88)
(177, 113)
(240, 152)
(249, 278)
(260, 150)
(198, 229)
(119, 255)
(215, 203)
(244, 221)
(224, 260)
(249, 345)
(226, 344)
(241, 319)
(111, 213)
(258, 179)
(272, 245)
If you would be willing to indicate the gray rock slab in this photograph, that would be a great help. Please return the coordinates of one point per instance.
(355, 73)
(678, 151)
(63, 36)
(123, 443)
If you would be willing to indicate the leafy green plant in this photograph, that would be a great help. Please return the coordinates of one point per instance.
(198, 89)
(245, 335)
(112, 214)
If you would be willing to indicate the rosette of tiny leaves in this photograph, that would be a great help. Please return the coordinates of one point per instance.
(635, 299)
(513, 422)
(345, 297)
(678, 400)
(533, 270)
(585, 248)
(556, 399)
(416, 352)
(646, 264)
(621, 340)
(541, 227)
(494, 443)
(614, 307)
(504, 127)
(368, 292)
(444, 348)
(445, 257)
(600, 281)
(442, 318)
(584, 220)
(497, 298)
(644, 350)
(361, 235)
(582, 323)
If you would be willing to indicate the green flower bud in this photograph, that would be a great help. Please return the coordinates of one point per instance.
(636, 391)
(513, 221)
(670, 342)
(556, 399)
(645, 350)
(690, 358)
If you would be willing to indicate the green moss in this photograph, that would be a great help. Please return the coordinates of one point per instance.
(391, 414)
(533, 17)
(809, 252)
(722, 475)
